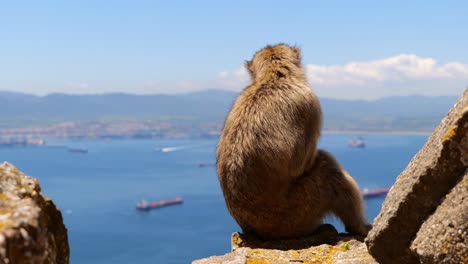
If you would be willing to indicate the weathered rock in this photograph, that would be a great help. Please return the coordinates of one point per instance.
(31, 227)
(420, 187)
(344, 252)
(443, 238)
(325, 246)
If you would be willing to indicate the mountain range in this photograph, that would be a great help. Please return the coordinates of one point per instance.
(409, 113)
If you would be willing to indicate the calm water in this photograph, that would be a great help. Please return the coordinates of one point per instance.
(97, 193)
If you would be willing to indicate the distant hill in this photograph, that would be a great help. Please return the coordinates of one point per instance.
(408, 113)
(23, 109)
(391, 113)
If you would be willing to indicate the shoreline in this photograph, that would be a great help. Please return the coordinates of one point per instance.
(367, 132)
(324, 132)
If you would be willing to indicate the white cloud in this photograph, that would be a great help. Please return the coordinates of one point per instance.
(233, 80)
(403, 74)
(399, 68)
(399, 75)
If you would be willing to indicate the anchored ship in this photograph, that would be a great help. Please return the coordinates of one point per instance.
(145, 205)
(366, 193)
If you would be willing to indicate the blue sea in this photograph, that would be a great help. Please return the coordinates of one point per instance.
(97, 192)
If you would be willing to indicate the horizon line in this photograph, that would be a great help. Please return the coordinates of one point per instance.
(207, 90)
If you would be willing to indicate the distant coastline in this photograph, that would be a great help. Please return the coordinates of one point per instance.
(194, 114)
(369, 132)
(147, 129)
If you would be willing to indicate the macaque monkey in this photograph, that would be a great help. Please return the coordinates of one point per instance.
(276, 183)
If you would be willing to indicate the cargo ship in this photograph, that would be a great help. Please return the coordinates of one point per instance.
(204, 164)
(145, 205)
(366, 193)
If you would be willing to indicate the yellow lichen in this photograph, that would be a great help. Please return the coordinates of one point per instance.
(15, 171)
(312, 262)
(346, 246)
(450, 133)
(2, 225)
(295, 253)
(4, 196)
(257, 251)
(257, 261)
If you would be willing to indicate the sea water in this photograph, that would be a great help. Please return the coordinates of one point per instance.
(97, 192)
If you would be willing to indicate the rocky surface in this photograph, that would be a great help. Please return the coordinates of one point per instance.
(326, 246)
(31, 227)
(349, 252)
(443, 238)
(419, 189)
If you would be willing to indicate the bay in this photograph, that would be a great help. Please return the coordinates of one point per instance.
(97, 192)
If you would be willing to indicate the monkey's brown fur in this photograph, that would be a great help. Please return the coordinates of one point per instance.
(275, 182)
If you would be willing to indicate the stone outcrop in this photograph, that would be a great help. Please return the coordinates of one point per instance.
(418, 192)
(326, 246)
(443, 238)
(345, 252)
(31, 227)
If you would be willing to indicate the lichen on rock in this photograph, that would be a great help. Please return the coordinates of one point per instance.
(443, 238)
(345, 252)
(325, 246)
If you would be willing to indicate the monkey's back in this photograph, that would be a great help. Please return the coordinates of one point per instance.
(269, 139)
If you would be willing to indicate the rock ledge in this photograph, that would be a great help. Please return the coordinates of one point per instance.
(31, 227)
(327, 246)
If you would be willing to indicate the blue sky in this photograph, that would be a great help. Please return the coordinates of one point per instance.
(351, 49)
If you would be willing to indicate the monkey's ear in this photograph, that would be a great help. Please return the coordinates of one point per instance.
(297, 51)
(248, 66)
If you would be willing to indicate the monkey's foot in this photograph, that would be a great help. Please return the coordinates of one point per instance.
(324, 234)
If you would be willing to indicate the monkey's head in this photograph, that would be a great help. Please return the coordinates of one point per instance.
(273, 58)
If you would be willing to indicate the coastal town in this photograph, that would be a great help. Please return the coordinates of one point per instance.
(108, 130)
